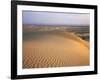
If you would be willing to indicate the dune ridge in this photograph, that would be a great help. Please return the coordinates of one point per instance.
(76, 38)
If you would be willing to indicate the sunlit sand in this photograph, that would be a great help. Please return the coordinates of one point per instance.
(55, 49)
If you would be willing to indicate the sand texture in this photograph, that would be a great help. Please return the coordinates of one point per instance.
(54, 49)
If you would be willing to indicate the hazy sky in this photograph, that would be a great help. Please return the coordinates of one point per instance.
(54, 18)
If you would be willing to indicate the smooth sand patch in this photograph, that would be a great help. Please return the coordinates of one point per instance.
(58, 49)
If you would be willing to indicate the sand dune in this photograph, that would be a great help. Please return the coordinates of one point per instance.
(56, 49)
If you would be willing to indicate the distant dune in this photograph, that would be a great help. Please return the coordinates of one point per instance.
(55, 49)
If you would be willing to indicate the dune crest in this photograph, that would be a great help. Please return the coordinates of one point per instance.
(74, 37)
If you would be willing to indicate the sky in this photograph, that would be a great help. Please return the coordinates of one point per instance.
(55, 18)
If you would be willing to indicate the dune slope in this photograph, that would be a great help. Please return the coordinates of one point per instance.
(58, 49)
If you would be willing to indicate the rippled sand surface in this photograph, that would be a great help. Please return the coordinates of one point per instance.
(55, 49)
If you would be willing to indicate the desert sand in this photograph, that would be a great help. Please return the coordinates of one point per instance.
(55, 49)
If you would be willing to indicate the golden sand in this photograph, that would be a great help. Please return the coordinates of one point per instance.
(56, 50)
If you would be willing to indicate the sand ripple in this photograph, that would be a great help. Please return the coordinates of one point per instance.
(55, 50)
